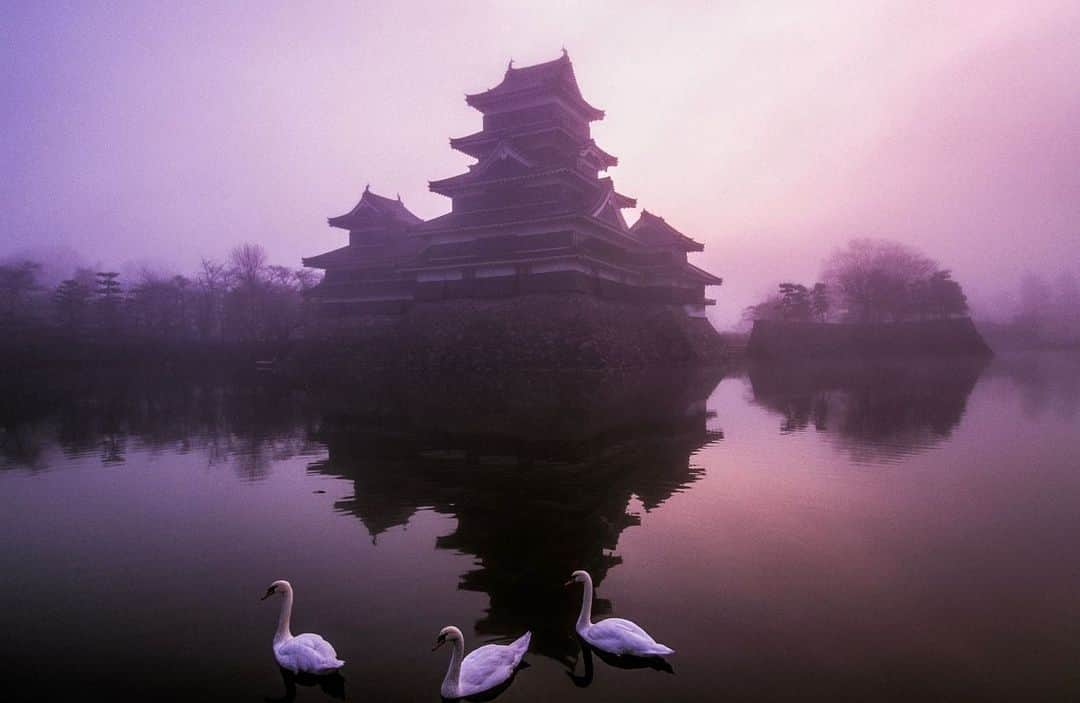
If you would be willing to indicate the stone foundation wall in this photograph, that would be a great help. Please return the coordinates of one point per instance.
(776, 339)
(536, 331)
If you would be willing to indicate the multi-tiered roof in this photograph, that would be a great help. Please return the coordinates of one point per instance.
(533, 214)
(535, 156)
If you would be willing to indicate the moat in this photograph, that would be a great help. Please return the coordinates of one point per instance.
(886, 532)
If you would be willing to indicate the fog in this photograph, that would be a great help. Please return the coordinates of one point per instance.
(771, 132)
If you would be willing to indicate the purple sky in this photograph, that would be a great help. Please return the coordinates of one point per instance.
(773, 132)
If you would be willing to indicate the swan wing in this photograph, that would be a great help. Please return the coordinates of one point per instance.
(308, 653)
(620, 636)
(488, 666)
(621, 628)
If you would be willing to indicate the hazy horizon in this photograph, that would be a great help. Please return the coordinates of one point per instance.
(773, 133)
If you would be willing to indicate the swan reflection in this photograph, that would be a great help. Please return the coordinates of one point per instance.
(585, 679)
(331, 685)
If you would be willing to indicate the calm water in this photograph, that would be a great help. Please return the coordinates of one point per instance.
(874, 533)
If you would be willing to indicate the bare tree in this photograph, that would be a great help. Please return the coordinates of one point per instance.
(875, 278)
(281, 276)
(249, 262)
(246, 305)
(212, 281)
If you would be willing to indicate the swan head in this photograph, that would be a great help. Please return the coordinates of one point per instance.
(579, 576)
(277, 587)
(447, 634)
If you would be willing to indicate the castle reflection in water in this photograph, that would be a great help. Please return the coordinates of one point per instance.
(539, 472)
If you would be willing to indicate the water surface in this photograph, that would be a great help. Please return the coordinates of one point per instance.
(884, 532)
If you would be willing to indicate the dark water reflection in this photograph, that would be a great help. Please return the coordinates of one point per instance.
(105, 416)
(537, 490)
(883, 532)
(873, 411)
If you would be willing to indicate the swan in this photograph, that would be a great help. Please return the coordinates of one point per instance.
(302, 654)
(613, 635)
(485, 668)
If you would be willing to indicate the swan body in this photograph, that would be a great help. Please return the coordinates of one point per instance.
(613, 635)
(483, 669)
(301, 654)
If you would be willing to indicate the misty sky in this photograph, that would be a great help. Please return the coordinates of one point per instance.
(156, 133)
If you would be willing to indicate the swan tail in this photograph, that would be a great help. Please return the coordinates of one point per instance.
(662, 650)
(521, 645)
(333, 666)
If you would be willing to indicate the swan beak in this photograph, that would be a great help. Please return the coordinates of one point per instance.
(569, 583)
(438, 644)
(266, 595)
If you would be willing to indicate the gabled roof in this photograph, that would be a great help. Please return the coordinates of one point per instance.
(502, 152)
(653, 229)
(374, 211)
(552, 77)
(622, 201)
(608, 205)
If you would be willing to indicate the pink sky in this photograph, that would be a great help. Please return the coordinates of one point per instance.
(772, 132)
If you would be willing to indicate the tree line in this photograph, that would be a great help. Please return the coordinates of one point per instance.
(868, 281)
(240, 299)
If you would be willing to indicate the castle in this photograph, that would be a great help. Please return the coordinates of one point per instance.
(532, 216)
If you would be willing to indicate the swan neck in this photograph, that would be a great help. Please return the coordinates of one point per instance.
(453, 674)
(284, 618)
(584, 621)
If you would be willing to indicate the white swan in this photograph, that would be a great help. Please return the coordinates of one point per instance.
(485, 668)
(613, 635)
(307, 653)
